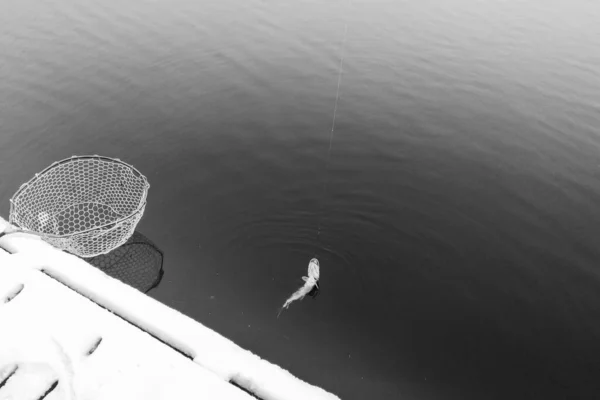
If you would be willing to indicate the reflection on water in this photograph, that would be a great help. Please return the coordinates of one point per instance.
(138, 263)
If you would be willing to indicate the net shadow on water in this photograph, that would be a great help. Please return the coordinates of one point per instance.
(137, 263)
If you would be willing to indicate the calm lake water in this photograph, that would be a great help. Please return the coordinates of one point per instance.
(460, 225)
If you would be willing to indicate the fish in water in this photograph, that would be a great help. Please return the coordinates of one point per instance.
(310, 287)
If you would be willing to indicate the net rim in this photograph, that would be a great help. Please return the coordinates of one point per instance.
(141, 206)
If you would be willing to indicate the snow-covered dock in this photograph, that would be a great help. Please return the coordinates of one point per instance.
(69, 331)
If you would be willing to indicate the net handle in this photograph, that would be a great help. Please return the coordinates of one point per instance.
(11, 230)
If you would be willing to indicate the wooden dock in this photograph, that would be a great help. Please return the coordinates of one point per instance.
(69, 331)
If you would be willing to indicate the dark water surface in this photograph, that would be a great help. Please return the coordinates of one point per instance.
(459, 250)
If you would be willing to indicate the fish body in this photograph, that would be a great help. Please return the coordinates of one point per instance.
(310, 283)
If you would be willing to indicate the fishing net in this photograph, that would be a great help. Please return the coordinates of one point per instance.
(85, 205)
(137, 263)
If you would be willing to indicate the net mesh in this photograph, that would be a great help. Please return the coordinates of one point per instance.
(87, 205)
(138, 263)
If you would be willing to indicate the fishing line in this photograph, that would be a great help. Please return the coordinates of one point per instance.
(335, 107)
(311, 281)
